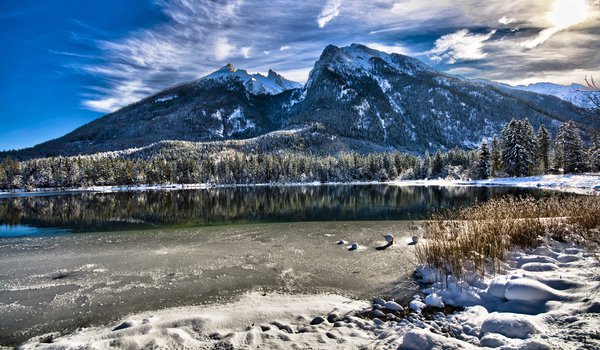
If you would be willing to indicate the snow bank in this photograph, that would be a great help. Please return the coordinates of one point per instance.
(528, 308)
(583, 184)
(420, 339)
(255, 321)
(519, 310)
(509, 325)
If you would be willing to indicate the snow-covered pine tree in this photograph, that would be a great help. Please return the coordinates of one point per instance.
(483, 167)
(427, 163)
(544, 143)
(570, 145)
(518, 148)
(528, 138)
(496, 157)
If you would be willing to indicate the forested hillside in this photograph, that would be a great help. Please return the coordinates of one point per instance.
(517, 151)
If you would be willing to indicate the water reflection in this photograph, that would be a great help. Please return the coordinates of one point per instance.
(88, 212)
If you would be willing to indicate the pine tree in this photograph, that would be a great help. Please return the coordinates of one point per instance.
(483, 167)
(496, 157)
(437, 165)
(571, 147)
(529, 141)
(594, 152)
(12, 173)
(427, 164)
(544, 142)
(518, 148)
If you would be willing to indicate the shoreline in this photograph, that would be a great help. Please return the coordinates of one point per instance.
(528, 306)
(578, 184)
(110, 276)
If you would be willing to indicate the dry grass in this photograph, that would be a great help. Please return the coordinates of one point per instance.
(478, 238)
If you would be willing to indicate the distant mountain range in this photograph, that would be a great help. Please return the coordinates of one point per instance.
(577, 94)
(355, 97)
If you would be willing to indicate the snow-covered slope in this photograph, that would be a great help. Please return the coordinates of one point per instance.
(577, 94)
(256, 83)
(402, 103)
(391, 101)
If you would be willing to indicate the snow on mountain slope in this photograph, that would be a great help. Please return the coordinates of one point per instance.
(402, 103)
(390, 101)
(361, 60)
(577, 94)
(256, 83)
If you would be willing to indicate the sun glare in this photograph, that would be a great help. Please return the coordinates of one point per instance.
(566, 13)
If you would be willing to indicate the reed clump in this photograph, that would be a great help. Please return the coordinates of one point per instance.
(478, 238)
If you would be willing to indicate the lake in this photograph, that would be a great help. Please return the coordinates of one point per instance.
(85, 259)
(102, 212)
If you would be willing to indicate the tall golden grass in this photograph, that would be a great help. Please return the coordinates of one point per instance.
(478, 238)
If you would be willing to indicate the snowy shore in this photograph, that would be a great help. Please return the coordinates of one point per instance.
(547, 298)
(544, 298)
(582, 184)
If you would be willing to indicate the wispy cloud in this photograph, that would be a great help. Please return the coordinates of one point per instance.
(329, 12)
(246, 51)
(564, 14)
(389, 48)
(223, 49)
(200, 36)
(73, 54)
(459, 46)
(505, 20)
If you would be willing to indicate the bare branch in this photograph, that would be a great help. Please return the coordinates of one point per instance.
(591, 83)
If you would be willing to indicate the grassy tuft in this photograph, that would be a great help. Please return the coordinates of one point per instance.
(478, 238)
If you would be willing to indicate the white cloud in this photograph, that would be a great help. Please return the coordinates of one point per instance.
(505, 20)
(246, 51)
(564, 14)
(124, 95)
(199, 35)
(541, 38)
(223, 49)
(389, 48)
(300, 75)
(557, 77)
(329, 12)
(460, 46)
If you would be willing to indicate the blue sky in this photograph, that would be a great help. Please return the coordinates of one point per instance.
(65, 63)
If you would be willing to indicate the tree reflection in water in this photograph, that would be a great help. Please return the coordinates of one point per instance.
(87, 212)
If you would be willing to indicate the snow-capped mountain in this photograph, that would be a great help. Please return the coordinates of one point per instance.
(363, 98)
(577, 94)
(256, 83)
(400, 102)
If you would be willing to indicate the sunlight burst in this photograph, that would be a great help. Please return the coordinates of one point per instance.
(566, 13)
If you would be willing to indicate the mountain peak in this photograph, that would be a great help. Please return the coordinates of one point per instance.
(358, 59)
(272, 74)
(228, 68)
(255, 83)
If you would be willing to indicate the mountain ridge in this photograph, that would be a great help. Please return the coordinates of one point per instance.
(391, 101)
(577, 94)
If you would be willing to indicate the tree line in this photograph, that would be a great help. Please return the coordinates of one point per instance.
(519, 151)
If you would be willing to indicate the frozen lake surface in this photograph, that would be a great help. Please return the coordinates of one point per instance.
(63, 282)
